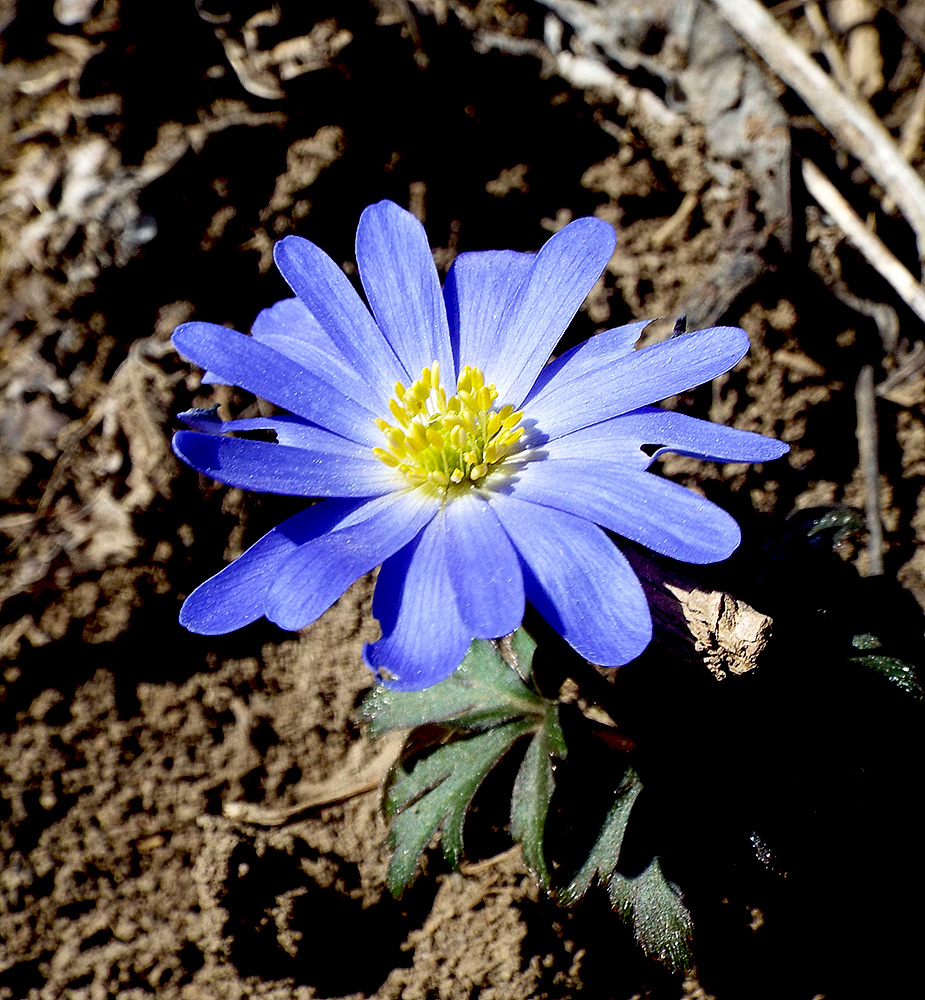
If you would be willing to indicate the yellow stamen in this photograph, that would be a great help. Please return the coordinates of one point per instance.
(443, 442)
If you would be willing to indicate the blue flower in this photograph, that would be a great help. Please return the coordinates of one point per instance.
(448, 453)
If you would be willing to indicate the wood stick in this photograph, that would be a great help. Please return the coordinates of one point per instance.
(346, 784)
(866, 401)
(707, 628)
(913, 127)
(870, 245)
(850, 121)
(820, 27)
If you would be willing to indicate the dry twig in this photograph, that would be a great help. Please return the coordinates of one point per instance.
(704, 627)
(912, 129)
(346, 784)
(870, 245)
(850, 121)
(820, 27)
(866, 401)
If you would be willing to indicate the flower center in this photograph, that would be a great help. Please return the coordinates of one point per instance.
(444, 441)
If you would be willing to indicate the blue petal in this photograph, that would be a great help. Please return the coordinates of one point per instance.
(424, 638)
(636, 379)
(590, 356)
(559, 279)
(318, 572)
(579, 581)
(484, 568)
(332, 300)
(290, 321)
(245, 362)
(207, 421)
(479, 288)
(601, 442)
(289, 430)
(621, 440)
(398, 275)
(654, 512)
(686, 435)
(331, 467)
(236, 596)
(290, 329)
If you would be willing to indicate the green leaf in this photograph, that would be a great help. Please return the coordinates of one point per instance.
(533, 790)
(436, 794)
(895, 671)
(518, 650)
(484, 691)
(463, 727)
(602, 861)
(836, 523)
(653, 907)
(647, 901)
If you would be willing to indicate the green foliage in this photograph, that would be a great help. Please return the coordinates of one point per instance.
(644, 899)
(862, 610)
(653, 907)
(485, 690)
(896, 671)
(533, 790)
(436, 794)
(475, 717)
(462, 728)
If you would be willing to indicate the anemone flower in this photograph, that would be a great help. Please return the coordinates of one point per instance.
(447, 451)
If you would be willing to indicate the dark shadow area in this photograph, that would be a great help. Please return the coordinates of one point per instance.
(282, 924)
(782, 801)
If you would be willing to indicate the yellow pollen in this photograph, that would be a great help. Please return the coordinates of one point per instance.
(444, 442)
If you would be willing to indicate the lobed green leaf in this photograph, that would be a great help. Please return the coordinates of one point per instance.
(436, 794)
(463, 727)
(532, 795)
(602, 861)
(896, 671)
(485, 690)
(646, 900)
(653, 907)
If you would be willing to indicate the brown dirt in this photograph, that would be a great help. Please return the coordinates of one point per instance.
(149, 160)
